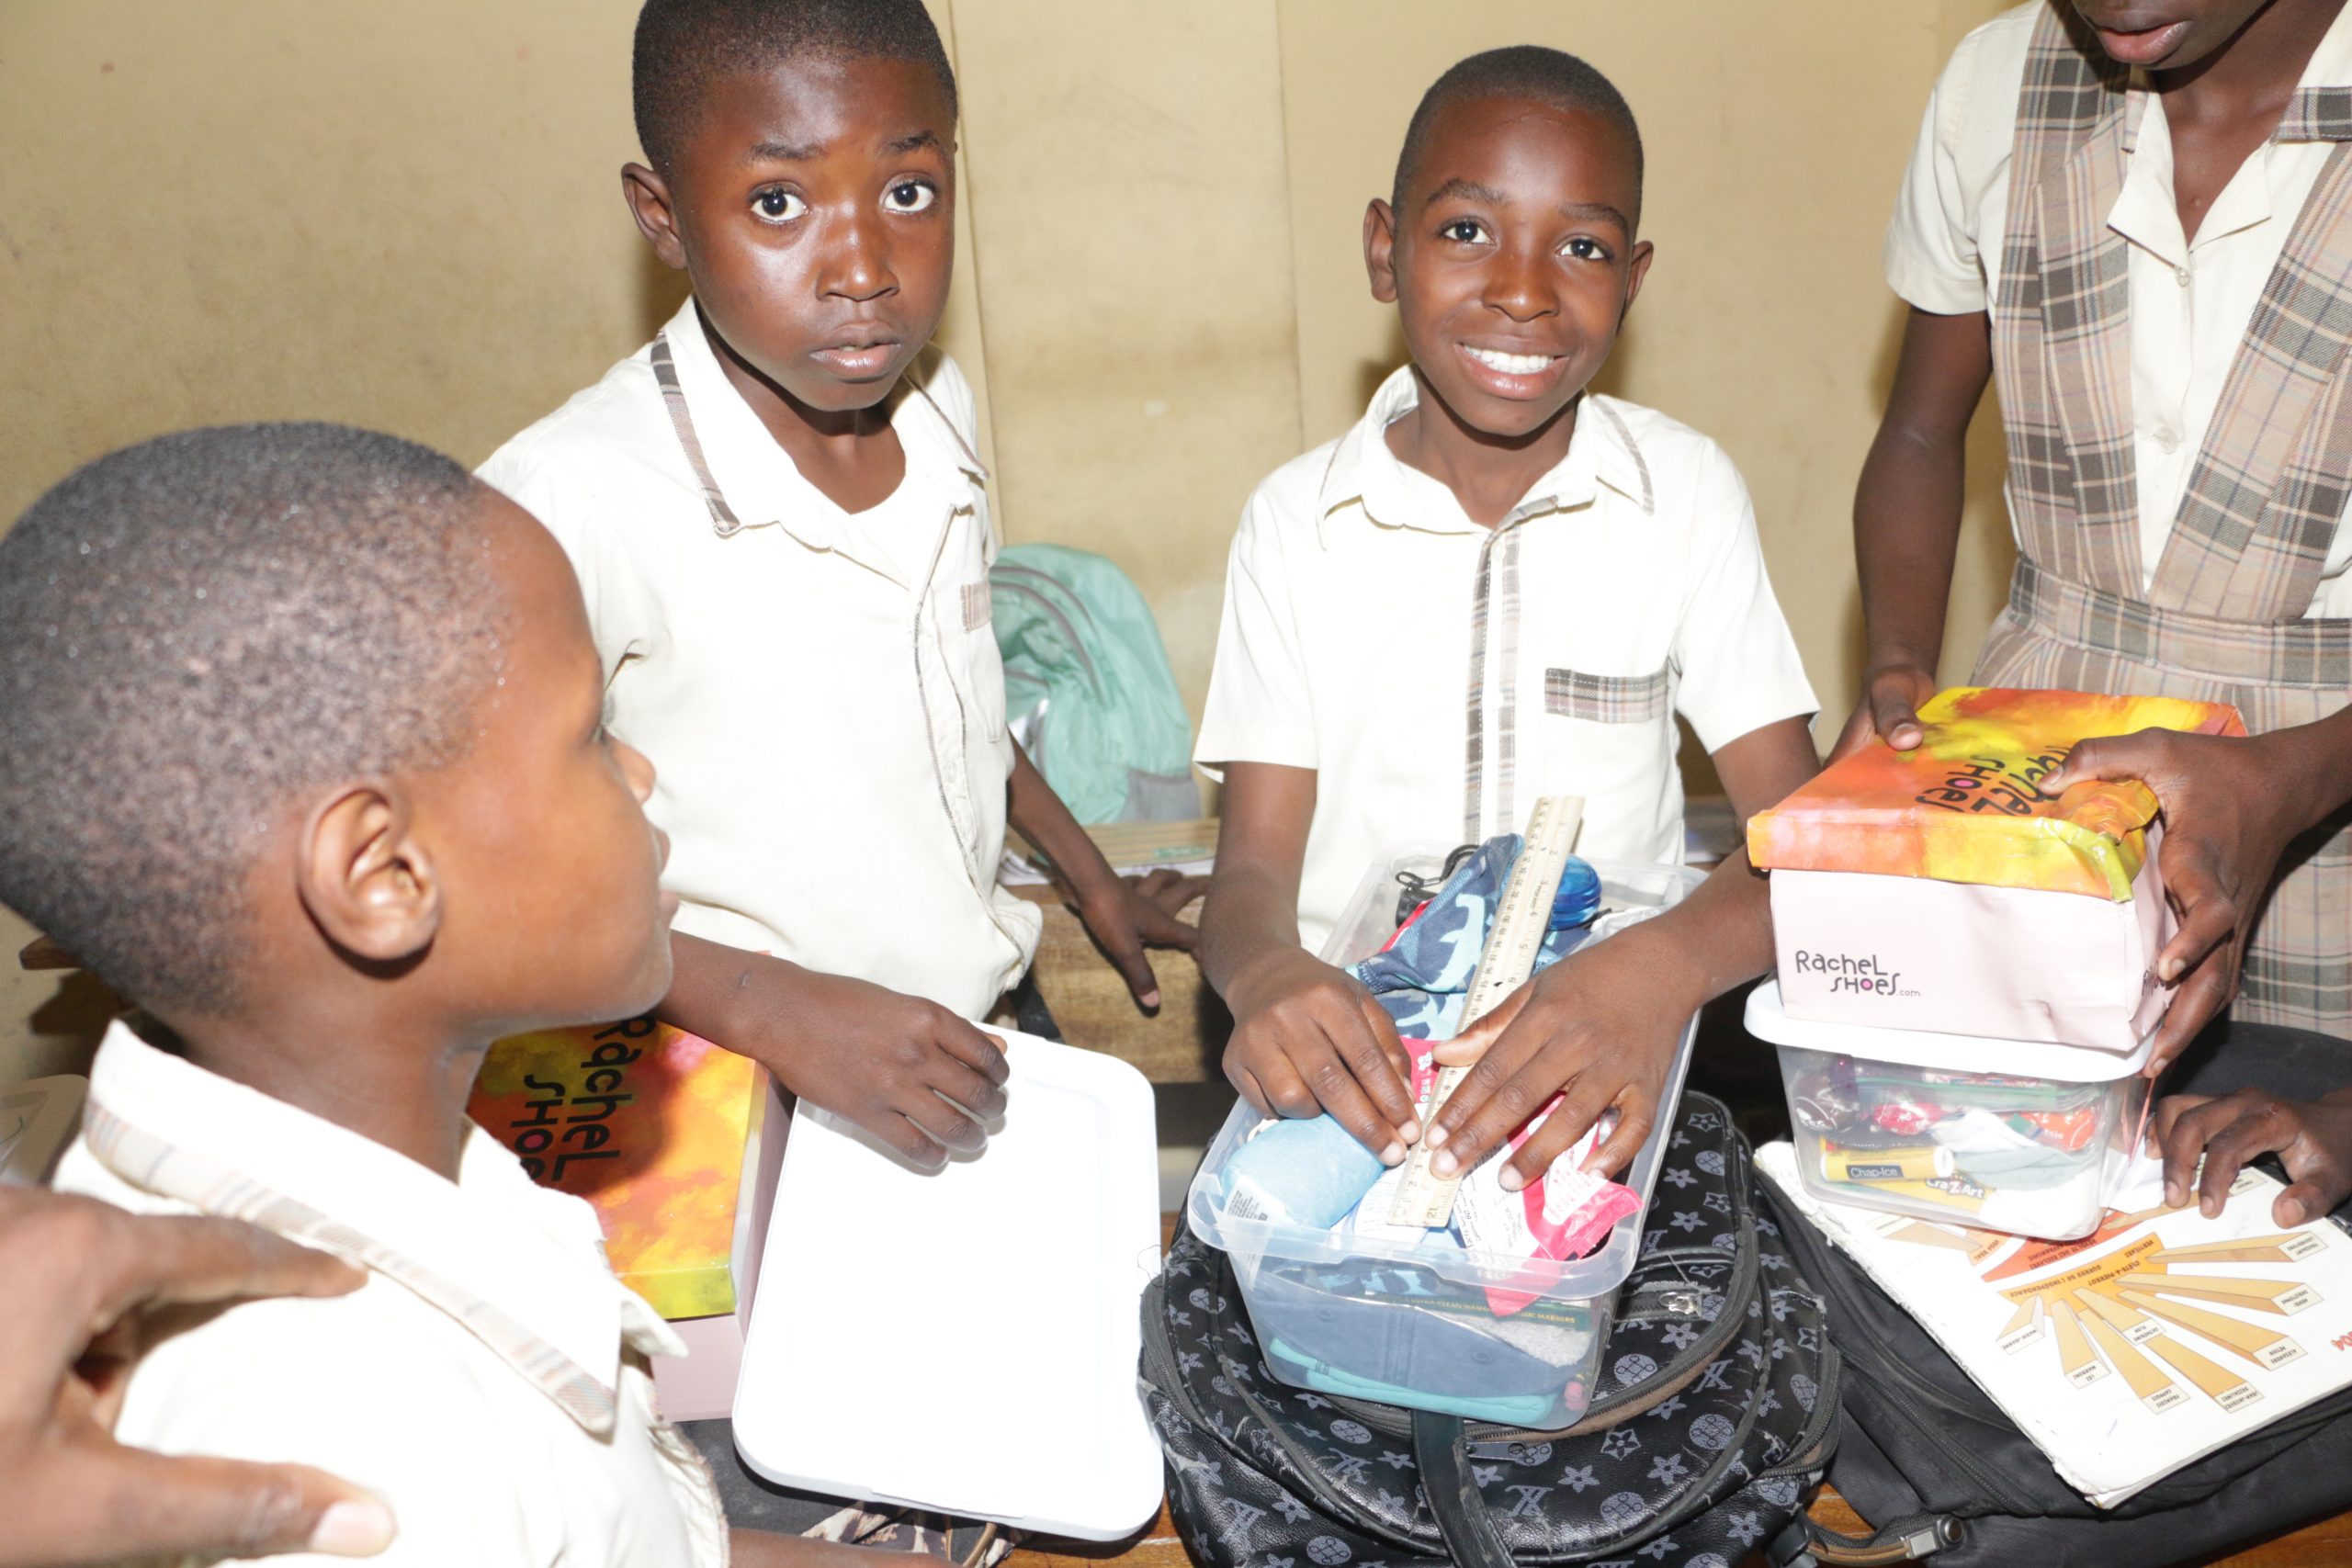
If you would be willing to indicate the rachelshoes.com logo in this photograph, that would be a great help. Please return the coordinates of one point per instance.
(1859, 973)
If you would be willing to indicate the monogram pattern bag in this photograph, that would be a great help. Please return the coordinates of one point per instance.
(1713, 1415)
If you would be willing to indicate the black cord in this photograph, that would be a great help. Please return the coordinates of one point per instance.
(1418, 890)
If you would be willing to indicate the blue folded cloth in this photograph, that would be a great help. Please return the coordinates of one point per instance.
(1423, 979)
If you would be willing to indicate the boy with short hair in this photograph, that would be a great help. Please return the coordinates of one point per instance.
(782, 530)
(1591, 565)
(306, 758)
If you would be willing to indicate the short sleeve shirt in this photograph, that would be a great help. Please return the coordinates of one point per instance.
(488, 1380)
(1439, 676)
(820, 692)
(2192, 300)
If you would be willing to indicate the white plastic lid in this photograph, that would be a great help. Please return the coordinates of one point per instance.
(1945, 1052)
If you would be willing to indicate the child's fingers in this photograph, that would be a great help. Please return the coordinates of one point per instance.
(2196, 1002)
(2186, 1130)
(2209, 915)
(1171, 892)
(1636, 1115)
(145, 1505)
(1494, 1099)
(976, 1049)
(1892, 716)
(1245, 1084)
(1126, 950)
(1285, 1088)
(966, 1090)
(1479, 1038)
(1399, 1065)
(913, 1138)
(2263, 1124)
(1341, 1096)
(2303, 1203)
(2169, 1110)
(1570, 1120)
(1367, 1041)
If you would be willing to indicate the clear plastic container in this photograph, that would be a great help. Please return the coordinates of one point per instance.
(1411, 1324)
(2011, 1135)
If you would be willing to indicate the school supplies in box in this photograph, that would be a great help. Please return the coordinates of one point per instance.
(1939, 889)
(2133, 1353)
(1404, 1314)
(1510, 940)
(2005, 1134)
(675, 1143)
(966, 1339)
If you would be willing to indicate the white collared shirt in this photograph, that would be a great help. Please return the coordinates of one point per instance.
(1361, 603)
(489, 1380)
(826, 723)
(2192, 302)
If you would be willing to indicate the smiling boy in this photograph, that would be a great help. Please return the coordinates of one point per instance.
(782, 530)
(308, 762)
(1590, 566)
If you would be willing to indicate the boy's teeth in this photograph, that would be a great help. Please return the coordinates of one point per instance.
(1510, 364)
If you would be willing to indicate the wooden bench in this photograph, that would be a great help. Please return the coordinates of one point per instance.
(2327, 1544)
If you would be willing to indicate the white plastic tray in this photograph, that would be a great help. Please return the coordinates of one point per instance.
(968, 1341)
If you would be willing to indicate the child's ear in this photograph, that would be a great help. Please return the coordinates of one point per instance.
(1380, 250)
(1638, 270)
(365, 880)
(648, 195)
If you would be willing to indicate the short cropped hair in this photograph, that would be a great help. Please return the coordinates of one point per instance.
(1547, 76)
(681, 45)
(195, 630)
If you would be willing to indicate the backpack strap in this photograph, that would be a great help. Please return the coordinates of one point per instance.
(1441, 1449)
(1807, 1544)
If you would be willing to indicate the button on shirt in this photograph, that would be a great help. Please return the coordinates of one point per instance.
(489, 1380)
(1362, 604)
(2192, 302)
(819, 691)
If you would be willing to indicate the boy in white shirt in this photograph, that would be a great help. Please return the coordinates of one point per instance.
(1589, 565)
(307, 758)
(783, 535)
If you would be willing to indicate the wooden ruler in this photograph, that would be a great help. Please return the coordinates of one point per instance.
(1504, 964)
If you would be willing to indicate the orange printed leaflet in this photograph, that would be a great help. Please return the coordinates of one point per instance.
(649, 1124)
(1963, 807)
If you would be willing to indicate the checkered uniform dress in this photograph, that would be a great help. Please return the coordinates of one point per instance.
(2223, 620)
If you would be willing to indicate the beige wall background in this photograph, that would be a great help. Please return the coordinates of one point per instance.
(409, 216)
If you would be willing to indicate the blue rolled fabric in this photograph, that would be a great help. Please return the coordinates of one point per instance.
(1308, 1172)
(1423, 980)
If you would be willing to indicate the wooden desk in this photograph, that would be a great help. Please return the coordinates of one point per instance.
(1180, 1044)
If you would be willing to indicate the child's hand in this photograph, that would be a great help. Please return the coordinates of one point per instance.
(1602, 1025)
(1308, 1038)
(78, 1282)
(2312, 1138)
(907, 1070)
(1889, 710)
(1124, 915)
(2231, 805)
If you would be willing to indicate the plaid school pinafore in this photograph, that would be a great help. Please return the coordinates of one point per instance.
(2223, 620)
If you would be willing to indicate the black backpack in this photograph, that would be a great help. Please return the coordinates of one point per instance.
(1713, 1416)
(1927, 1455)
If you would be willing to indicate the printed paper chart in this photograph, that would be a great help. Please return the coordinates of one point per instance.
(2132, 1352)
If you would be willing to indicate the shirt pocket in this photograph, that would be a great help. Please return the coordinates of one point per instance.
(1609, 699)
(1611, 739)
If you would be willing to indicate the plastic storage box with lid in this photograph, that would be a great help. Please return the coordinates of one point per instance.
(1411, 1324)
(1995, 1134)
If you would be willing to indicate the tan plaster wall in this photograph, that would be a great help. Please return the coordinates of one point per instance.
(408, 216)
